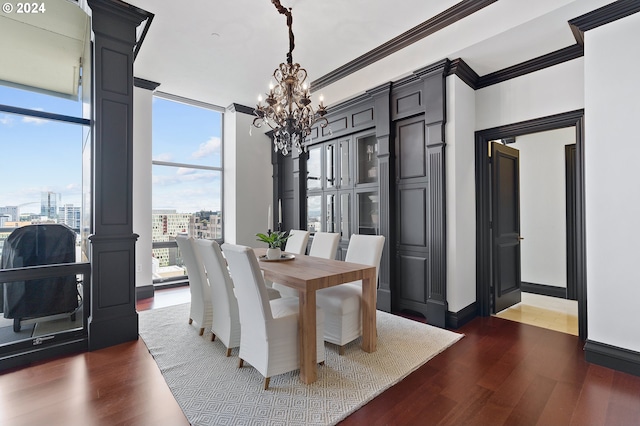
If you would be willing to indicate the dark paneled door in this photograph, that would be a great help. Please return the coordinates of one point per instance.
(412, 186)
(505, 209)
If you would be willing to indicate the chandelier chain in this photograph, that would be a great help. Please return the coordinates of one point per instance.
(287, 12)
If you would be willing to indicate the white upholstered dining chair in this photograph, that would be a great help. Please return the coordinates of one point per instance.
(269, 340)
(342, 303)
(297, 241)
(201, 311)
(325, 245)
(226, 320)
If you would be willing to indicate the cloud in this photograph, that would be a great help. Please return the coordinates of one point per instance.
(210, 147)
(185, 175)
(6, 120)
(183, 171)
(163, 157)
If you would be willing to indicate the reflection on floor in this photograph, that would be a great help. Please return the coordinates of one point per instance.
(543, 311)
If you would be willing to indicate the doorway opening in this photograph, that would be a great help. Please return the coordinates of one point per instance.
(489, 250)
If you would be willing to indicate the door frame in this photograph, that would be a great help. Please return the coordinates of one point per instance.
(483, 205)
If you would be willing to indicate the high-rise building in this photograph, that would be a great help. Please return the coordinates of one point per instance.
(70, 216)
(49, 204)
(165, 225)
(12, 211)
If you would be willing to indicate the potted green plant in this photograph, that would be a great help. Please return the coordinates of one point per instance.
(276, 241)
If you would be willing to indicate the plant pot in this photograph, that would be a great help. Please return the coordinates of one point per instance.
(274, 253)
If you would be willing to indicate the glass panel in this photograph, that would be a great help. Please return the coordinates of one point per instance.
(186, 134)
(367, 159)
(186, 190)
(330, 166)
(167, 264)
(345, 178)
(332, 213)
(314, 213)
(41, 307)
(314, 169)
(43, 178)
(184, 201)
(44, 175)
(345, 216)
(368, 220)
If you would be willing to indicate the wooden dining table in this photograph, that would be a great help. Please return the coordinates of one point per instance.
(308, 274)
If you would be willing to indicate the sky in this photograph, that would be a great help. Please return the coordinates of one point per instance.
(39, 155)
(42, 155)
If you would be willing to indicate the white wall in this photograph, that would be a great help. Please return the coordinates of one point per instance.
(248, 179)
(612, 179)
(142, 202)
(546, 92)
(543, 206)
(460, 190)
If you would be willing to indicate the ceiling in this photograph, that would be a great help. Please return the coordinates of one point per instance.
(225, 51)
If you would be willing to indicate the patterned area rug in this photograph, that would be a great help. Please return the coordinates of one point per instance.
(212, 390)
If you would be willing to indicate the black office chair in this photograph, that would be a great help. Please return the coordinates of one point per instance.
(33, 245)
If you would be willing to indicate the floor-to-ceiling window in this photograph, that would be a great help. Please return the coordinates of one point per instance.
(42, 137)
(187, 179)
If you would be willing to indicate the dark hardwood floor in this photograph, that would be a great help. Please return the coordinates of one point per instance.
(501, 372)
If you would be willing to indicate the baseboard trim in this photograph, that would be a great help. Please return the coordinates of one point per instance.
(144, 292)
(613, 357)
(458, 319)
(544, 290)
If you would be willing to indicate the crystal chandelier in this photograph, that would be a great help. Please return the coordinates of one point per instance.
(287, 109)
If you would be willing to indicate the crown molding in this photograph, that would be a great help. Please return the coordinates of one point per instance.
(460, 68)
(604, 15)
(242, 109)
(145, 84)
(536, 64)
(430, 26)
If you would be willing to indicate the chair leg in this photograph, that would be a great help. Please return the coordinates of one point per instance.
(190, 320)
(202, 331)
(213, 337)
(240, 363)
(228, 352)
(266, 383)
(341, 350)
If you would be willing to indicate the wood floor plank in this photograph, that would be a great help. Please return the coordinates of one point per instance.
(528, 409)
(591, 406)
(556, 410)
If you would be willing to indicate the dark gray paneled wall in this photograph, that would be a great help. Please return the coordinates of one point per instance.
(418, 113)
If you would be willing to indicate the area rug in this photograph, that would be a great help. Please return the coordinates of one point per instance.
(212, 390)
